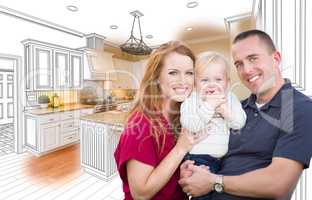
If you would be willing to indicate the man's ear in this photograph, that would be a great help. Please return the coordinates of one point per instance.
(277, 58)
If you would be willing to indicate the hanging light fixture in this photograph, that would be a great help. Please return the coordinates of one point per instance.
(134, 45)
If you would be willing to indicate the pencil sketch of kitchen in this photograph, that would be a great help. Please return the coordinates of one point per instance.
(66, 86)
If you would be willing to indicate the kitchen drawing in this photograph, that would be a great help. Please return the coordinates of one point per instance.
(70, 72)
(7, 104)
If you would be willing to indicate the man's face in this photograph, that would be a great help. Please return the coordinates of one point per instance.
(256, 65)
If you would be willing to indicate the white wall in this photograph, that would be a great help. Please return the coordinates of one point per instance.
(14, 30)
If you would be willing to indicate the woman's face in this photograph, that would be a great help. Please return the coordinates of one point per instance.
(177, 77)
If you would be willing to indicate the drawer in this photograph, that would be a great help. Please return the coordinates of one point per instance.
(49, 118)
(70, 115)
(66, 139)
(69, 125)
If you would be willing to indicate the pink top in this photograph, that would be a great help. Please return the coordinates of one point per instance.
(137, 143)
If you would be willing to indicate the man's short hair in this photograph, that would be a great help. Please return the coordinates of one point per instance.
(264, 37)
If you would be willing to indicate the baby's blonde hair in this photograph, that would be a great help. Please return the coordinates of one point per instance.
(206, 58)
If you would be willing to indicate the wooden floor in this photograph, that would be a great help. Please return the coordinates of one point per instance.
(54, 176)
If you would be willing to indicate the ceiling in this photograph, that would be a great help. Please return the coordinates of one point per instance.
(163, 19)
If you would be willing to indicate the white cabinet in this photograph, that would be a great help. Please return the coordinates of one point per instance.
(49, 66)
(49, 134)
(76, 68)
(98, 143)
(31, 138)
(46, 133)
(61, 60)
(43, 71)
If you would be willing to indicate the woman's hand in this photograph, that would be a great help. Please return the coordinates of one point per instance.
(187, 140)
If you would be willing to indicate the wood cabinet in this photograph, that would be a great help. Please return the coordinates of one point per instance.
(49, 66)
(46, 133)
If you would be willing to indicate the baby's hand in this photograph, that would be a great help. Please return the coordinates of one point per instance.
(214, 100)
(224, 110)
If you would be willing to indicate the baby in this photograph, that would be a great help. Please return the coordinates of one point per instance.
(211, 110)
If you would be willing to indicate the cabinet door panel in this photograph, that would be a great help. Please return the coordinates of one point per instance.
(76, 70)
(31, 132)
(43, 68)
(49, 136)
(61, 69)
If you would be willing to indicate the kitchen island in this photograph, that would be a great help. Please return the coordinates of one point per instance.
(99, 136)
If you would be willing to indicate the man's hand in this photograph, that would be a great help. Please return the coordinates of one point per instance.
(199, 183)
(185, 172)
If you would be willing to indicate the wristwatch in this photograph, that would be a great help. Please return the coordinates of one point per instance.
(218, 186)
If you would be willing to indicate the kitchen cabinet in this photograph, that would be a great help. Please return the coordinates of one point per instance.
(98, 142)
(43, 72)
(61, 60)
(49, 135)
(50, 66)
(76, 68)
(50, 132)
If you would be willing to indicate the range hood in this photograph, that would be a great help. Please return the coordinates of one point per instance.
(98, 64)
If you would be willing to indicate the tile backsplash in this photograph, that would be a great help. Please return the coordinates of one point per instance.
(69, 96)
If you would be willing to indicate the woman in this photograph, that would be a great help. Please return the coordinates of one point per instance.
(148, 154)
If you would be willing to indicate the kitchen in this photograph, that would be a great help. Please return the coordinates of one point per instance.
(73, 85)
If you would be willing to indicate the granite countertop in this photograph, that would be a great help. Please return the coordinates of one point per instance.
(66, 107)
(113, 117)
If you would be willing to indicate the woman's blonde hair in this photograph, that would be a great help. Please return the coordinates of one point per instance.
(149, 98)
(207, 58)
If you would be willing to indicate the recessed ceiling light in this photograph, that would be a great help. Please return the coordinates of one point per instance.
(192, 4)
(72, 8)
(113, 26)
(149, 36)
(189, 28)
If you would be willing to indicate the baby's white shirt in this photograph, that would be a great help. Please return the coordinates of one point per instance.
(198, 116)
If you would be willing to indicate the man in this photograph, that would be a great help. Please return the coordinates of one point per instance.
(266, 158)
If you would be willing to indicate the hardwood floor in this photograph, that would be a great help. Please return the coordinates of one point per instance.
(54, 176)
(54, 167)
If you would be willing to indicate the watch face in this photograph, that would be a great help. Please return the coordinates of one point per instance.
(218, 187)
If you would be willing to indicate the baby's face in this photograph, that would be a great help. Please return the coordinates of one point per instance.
(211, 80)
